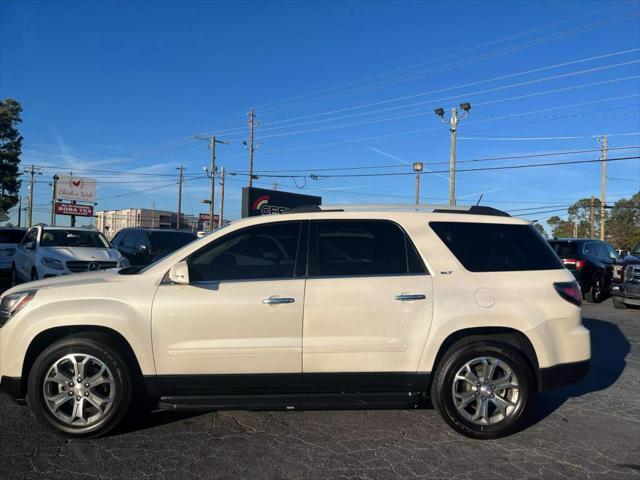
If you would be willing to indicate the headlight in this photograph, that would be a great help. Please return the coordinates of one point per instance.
(13, 303)
(52, 263)
(124, 262)
(617, 272)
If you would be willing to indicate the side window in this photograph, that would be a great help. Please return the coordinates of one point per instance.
(30, 237)
(590, 249)
(252, 253)
(611, 252)
(601, 249)
(117, 239)
(129, 240)
(362, 248)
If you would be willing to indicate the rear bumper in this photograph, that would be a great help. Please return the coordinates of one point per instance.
(562, 375)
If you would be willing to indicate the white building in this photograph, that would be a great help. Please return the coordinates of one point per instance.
(109, 222)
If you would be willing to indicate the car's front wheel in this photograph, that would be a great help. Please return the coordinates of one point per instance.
(80, 386)
(482, 388)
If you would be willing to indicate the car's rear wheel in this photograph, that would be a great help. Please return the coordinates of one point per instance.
(482, 388)
(80, 386)
(596, 292)
(618, 304)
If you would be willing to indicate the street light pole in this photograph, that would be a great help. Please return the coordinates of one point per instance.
(453, 127)
(418, 167)
(53, 200)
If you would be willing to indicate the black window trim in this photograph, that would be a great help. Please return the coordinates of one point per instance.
(313, 250)
(301, 234)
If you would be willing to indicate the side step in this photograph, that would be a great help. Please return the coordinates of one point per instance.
(324, 401)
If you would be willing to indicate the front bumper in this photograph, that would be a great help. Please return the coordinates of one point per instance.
(562, 375)
(626, 293)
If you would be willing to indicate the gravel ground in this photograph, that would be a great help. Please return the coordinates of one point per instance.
(590, 430)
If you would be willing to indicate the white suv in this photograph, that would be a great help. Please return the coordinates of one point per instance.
(51, 251)
(340, 307)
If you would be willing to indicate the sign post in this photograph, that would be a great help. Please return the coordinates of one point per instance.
(74, 190)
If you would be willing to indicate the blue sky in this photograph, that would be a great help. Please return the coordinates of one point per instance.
(116, 90)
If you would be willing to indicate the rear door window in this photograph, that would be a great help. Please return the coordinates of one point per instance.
(362, 248)
(564, 249)
(488, 247)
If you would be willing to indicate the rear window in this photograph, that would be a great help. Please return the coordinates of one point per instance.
(564, 249)
(487, 247)
(11, 236)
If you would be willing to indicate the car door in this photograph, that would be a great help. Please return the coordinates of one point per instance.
(241, 313)
(368, 299)
(25, 253)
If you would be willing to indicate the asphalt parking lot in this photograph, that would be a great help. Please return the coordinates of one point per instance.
(590, 430)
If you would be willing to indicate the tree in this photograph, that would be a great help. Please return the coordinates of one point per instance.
(560, 228)
(10, 151)
(540, 229)
(623, 223)
(581, 212)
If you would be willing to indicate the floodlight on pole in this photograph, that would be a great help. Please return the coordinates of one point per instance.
(418, 167)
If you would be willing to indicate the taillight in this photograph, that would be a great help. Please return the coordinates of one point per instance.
(570, 291)
(572, 262)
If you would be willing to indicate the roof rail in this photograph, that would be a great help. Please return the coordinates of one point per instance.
(468, 209)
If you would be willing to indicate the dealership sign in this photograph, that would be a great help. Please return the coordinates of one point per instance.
(71, 209)
(259, 201)
(80, 189)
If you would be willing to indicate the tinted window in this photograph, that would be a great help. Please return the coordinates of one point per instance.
(261, 252)
(129, 240)
(30, 237)
(590, 249)
(170, 240)
(486, 247)
(73, 238)
(564, 249)
(601, 250)
(117, 239)
(11, 236)
(351, 247)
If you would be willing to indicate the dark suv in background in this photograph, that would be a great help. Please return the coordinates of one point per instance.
(625, 288)
(142, 246)
(591, 262)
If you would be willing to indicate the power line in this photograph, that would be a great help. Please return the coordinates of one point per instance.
(389, 174)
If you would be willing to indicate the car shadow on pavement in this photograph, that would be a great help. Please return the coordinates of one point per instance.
(609, 348)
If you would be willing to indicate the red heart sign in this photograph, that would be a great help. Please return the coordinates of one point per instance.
(76, 183)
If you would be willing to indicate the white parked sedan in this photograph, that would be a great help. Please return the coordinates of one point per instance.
(51, 251)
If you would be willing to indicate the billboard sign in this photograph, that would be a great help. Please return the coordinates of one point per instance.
(259, 201)
(80, 189)
(204, 217)
(71, 209)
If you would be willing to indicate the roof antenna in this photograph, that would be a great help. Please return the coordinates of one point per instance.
(481, 195)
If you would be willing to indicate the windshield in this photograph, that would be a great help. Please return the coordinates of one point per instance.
(73, 238)
(11, 236)
(636, 249)
(170, 240)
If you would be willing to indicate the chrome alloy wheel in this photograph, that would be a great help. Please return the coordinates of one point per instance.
(485, 391)
(78, 389)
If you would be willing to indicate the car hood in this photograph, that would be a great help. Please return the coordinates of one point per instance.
(81, 253)
(73, 280)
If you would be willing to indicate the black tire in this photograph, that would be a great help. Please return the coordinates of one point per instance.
(596, 292)
(455, 358)
(618, 304)
(99, 347)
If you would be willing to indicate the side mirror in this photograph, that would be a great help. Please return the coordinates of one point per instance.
(179, 273)
(143, 248)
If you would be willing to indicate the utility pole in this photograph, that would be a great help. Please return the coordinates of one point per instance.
(221, 216)
(603, 198)
(54, 186)
(153, 218)
(20, 211)
(592, 219)
(180, 178)
(211, 173)
(453, 127)
(250, 144)
(32, 171)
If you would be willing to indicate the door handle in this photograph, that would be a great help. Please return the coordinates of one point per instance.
(278, 300)
(409, 297)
